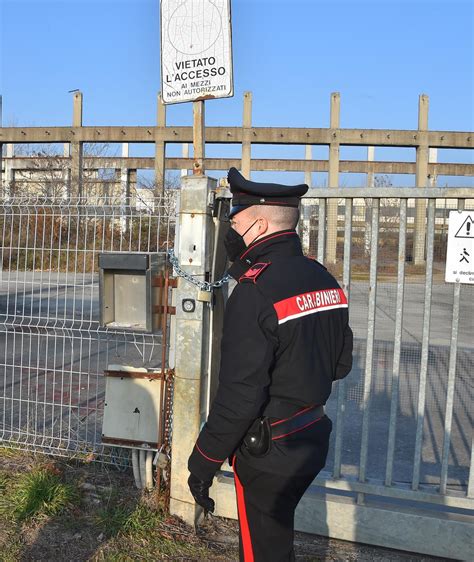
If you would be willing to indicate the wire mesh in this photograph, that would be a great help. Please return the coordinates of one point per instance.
(53, 351)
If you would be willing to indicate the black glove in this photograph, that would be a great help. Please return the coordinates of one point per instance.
(200, 491)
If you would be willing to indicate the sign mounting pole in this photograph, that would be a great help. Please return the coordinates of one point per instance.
(199, 140)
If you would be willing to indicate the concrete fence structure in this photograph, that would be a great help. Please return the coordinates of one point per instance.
(421, 139)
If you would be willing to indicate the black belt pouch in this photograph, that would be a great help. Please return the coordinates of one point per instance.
(258, 440)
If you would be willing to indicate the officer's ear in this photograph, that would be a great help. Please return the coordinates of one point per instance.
(262, 225)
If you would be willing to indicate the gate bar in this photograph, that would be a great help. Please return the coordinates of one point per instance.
(321, 229)
(398, 342)
(470, 486)
(391, 192)
(448, 419)
(370, 338)
(425, 344)
(341, 385)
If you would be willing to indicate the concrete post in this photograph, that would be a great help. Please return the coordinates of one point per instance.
(433, 182)
(246, 144)
(66, 173)
(422, 156)
(77, 149)
(306, 206)
(9, 179)
(368, 202)
(184, 154)
(160, 150)
(132, 180)
(433, 159)
(333, 179)
(192, 338)
(124, 192)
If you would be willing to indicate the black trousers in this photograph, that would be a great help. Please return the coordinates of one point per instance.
(266, 505)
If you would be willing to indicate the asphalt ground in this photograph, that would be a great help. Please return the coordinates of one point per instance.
(52, 358)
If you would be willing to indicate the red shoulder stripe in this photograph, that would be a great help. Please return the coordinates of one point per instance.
(252, 273)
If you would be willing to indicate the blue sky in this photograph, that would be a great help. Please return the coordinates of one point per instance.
(380, 55)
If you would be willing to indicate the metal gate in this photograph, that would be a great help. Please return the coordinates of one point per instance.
(400, 468)
(53, 352)
(403, 417)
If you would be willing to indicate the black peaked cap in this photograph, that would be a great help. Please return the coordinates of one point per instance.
(246, 193)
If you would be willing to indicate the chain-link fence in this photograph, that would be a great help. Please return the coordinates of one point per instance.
(53, 351)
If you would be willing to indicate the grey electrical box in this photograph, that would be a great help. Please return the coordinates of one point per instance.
(127, 293)
(133, 407)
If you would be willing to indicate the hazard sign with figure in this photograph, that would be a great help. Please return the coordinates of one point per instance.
(460, 253)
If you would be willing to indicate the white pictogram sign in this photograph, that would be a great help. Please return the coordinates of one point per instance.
(460, 253)
(196, 50)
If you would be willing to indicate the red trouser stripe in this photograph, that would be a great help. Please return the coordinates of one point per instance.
(244, 524)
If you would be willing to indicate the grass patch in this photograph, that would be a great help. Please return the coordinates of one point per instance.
(61, 510)
(120, 518)
(37, 493)
(144, 530)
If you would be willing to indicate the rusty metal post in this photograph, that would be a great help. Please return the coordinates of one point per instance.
(422, 157)
(333, 178)
(246, 133)
(199, 138)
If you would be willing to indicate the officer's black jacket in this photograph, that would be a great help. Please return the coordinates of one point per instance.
(286, 338)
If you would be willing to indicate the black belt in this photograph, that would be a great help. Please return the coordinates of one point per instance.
(299, 421)
(259, 437)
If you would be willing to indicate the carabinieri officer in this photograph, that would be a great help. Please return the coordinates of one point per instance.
(286, 339)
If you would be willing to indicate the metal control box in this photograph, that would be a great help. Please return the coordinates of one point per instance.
(133, 408)
(127, 293)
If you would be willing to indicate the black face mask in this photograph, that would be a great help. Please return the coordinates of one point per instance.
(234, 242)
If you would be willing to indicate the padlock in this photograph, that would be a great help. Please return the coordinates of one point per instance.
(204, 296)
(162, 461)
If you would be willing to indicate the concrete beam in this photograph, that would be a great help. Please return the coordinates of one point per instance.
(259, 135)
(260, 164)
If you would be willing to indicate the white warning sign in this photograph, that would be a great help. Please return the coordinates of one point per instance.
(196, 50)
(460, 253)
